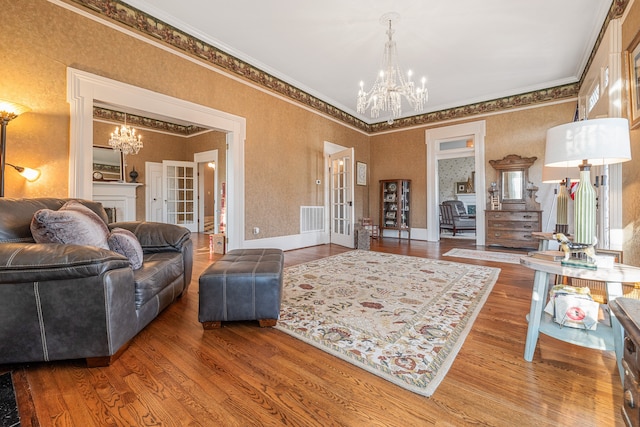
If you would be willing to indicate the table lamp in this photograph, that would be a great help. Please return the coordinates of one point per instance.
(584, 144)
(563, 177)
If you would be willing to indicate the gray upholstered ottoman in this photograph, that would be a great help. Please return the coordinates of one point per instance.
(245, 284)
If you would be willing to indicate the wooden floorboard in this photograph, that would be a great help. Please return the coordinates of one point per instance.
(175, 373)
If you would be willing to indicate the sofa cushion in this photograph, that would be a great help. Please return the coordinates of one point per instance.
(125, 243)
(73, 223)
(15, 220)
(158, 271)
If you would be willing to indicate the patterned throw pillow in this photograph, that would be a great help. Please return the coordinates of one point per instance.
(73, 224)
(125, 243)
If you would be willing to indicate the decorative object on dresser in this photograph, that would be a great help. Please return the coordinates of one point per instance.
(394, 206)
(517, 214)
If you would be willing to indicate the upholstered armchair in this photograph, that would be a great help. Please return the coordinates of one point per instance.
(454, 217)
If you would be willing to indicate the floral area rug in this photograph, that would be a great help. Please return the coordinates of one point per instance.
(399, 317)
(486, 255)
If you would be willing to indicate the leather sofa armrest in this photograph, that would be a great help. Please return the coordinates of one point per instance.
(35, 262)
(156, 236)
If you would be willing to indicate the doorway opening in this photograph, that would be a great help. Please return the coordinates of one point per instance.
(456, 187)
(448, 143)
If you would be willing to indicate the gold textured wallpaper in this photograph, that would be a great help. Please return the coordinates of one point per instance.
(403, 154)
(284, 141)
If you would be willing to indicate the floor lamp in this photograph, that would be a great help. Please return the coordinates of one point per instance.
(8, 112)
(584, 144)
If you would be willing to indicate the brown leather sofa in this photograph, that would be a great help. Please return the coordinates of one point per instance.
(62, 301)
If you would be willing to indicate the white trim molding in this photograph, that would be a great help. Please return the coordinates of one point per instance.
(83, 89)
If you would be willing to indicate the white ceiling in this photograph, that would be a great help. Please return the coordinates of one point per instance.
(469, 50)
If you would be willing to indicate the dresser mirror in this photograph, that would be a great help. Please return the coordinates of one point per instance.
(512, 186)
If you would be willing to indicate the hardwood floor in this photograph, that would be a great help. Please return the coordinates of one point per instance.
(174, 373)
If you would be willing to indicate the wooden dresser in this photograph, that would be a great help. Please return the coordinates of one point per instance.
(627, 311)
(513, 228)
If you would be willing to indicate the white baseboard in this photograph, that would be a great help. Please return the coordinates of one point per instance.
(416, 234)
(297, 241)
(287, 243)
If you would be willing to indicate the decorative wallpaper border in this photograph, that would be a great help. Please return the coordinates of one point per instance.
(150, 26)
(145, 122)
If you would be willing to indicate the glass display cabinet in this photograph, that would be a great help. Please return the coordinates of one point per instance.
(395, 201)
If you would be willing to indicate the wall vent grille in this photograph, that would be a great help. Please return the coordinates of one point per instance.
(311, 219)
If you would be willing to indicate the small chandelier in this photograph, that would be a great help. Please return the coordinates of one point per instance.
(385, 95)
(124, 139)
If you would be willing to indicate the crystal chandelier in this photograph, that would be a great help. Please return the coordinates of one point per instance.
(124, 139)
(386, 93)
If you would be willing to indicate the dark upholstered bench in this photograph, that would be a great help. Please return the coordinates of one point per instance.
(245, 284)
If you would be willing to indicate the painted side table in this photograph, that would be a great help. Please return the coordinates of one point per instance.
(604, 337)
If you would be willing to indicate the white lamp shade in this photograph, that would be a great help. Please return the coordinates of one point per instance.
(599, 141)
(552, 174)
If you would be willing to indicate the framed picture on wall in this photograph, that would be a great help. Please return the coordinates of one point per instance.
(461, 187)
(633, 60)
(361, 173)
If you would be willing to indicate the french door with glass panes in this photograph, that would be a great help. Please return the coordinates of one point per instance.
(180, 194)
(342, 209)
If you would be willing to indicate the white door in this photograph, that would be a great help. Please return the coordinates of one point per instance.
(342, 209)
(180, 193)
(154, 204)
(208, 200)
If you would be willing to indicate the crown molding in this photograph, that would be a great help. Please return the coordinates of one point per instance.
(106, 114)
(152, 27)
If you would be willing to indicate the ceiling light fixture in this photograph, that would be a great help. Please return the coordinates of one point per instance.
(390, 85)
(124, 139)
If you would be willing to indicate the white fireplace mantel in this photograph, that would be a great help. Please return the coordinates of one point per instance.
(467, 199)
(120, 197)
